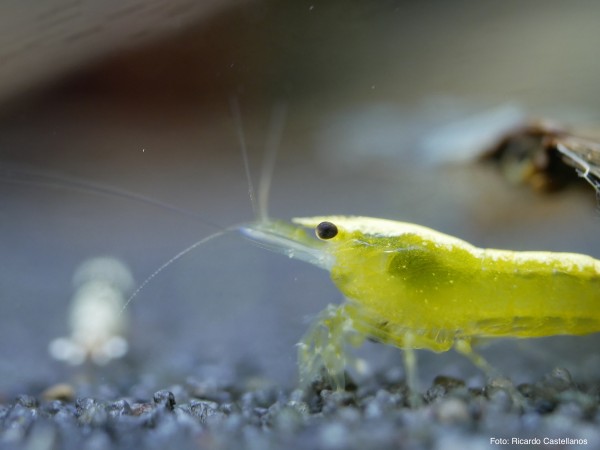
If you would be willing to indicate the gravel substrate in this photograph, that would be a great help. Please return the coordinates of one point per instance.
(217, 412)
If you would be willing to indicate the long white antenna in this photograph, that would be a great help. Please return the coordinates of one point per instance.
(237, 120)
(183, 252)
(28, 176)
(272, 145)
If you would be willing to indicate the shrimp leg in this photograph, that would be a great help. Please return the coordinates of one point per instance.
(323, 346)
(463, 346)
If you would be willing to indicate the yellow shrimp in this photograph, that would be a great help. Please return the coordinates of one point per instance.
(416, 288)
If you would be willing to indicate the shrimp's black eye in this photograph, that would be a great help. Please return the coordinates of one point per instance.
(326, 230)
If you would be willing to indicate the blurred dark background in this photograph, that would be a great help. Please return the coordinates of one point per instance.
(137, 97)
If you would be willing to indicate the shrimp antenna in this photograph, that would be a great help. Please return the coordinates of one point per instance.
(179, 255)
(237, 121)
(272, 145)
(17, 174)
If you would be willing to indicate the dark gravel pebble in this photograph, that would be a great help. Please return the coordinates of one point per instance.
(207, 414)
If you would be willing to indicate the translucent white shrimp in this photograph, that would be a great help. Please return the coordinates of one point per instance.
(98, 327)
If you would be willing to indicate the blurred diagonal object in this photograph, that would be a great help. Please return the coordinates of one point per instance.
(585, 156)
(40, 41)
